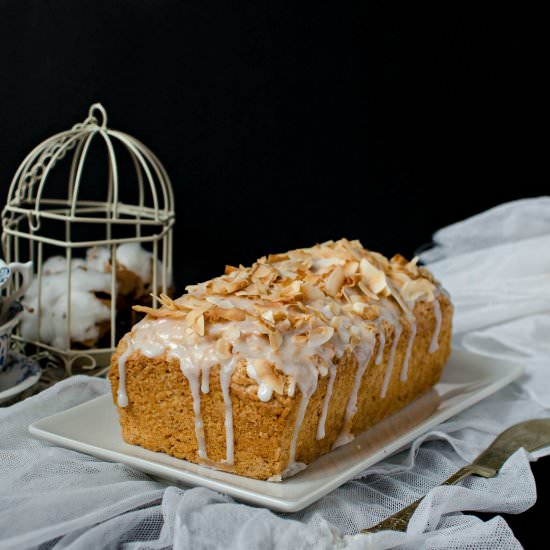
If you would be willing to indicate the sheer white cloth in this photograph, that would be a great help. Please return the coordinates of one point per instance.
(497, 269)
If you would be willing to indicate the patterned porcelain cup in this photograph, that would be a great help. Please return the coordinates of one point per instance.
(10, 307)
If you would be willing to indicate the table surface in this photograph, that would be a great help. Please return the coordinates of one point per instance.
(527, 527)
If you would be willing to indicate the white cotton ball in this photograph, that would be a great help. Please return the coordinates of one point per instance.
(98, 258)
(58, 264)
(131, 256)
(87, 311)
(136, 259)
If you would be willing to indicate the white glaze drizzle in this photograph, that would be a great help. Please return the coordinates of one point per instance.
(225, 379)
(122, 397)
(292, 388)
(205, 380)
(306, 394)
(434, 344)
(398, 329)
(192, 373)
(363, 355)
(326, 401)
(382, 345)
(412, 328)
(265, 392)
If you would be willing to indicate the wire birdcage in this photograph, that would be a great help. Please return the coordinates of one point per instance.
(37, 225)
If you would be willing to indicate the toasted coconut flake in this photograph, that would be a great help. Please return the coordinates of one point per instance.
(224, 303)
(250, 290)
(166, 301)
(317, 313)
(192, 317)
(320, 335)
(398, 297)
(228, 284)
(400, 277)
(160, 313)
(417, 289)
(143, 309)
(265, 274)
(351, 268)
(268, 316)
(290, 292)
(398, 260)
(198, 326)
(274, 258)
(189, 301)
(336, 322)
(275, 340)
(300, 339)
(266, 372)
(284, 325)
(382, 261)
(224, 349)
(359, 307)
(311, 292)
(348, 294)
(234, 314)
(366, 291)
(261, 324)
(192, 289)
(335, 281)
(412, 266)
(374, 278)
(233, 332)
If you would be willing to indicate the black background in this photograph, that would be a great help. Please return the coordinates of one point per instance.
(281, 127)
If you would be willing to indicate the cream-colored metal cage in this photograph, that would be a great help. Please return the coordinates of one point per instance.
(38, 223)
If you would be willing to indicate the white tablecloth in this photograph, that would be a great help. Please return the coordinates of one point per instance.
(497, 268)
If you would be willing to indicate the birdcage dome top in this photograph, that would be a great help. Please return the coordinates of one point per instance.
(28, 197)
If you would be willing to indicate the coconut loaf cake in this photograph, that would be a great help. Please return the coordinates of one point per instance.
(263, 369)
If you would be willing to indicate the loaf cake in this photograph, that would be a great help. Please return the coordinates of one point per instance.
(263, 369)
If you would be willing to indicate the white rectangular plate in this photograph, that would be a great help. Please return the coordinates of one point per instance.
(93, 428)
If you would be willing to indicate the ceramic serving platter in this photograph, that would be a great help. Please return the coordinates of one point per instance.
(93, 428)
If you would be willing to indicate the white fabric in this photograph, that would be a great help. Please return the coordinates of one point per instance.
(55, 498)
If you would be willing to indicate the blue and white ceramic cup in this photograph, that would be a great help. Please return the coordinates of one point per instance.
(10, 307)
(5, 339)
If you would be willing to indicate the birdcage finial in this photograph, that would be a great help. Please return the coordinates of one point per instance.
(97, 107)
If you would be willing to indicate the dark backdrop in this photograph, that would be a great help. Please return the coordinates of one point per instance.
(281, 126)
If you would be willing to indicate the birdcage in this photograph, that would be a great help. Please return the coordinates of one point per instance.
(89, 242)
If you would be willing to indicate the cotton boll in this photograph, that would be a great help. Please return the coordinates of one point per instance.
(130, 256)
(87, 311)
(98, 258)
(58, 264)
(136, 259)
